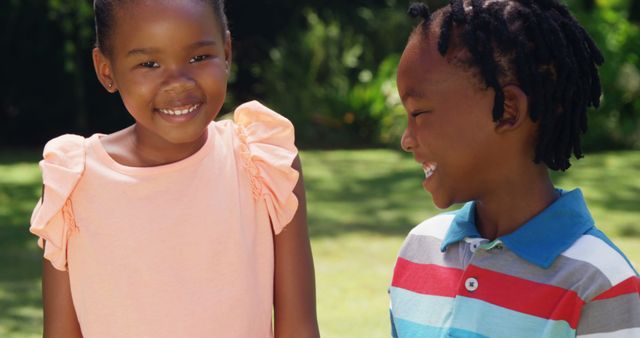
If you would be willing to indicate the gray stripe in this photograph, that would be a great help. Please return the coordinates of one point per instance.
(567, 273)
(622, 312)
(423, 249)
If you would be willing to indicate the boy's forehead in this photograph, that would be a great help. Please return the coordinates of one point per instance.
(422, 67)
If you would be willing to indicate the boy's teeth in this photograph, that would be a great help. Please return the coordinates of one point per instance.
(429, 169)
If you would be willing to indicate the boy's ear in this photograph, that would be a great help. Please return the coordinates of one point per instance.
(516, 108)
(103, 70)
(228, 51)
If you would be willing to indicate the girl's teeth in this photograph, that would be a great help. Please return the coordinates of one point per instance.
(179, 112)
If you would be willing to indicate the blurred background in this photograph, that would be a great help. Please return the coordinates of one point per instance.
(329, 66)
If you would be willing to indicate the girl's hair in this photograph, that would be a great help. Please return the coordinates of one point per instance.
(536, 44)
(105, 12)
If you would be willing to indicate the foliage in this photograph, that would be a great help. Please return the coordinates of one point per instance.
(617, 122)
(327, 65)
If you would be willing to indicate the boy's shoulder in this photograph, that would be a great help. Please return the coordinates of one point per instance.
(436, 226)
(598, 252)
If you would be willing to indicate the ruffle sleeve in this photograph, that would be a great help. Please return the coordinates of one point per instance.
(52, 219)
(268, 150)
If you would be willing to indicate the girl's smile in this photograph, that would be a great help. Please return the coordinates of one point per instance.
(170, 64)
(180, 114)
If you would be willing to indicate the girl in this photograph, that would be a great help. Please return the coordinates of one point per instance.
(176, 226)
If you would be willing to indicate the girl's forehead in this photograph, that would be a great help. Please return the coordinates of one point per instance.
(165, 23)
(149, 9)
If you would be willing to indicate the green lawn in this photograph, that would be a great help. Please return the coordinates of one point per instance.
(361, 205)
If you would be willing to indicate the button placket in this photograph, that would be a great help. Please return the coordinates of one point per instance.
(471, 284)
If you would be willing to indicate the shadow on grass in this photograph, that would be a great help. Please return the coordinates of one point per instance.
(374, 191)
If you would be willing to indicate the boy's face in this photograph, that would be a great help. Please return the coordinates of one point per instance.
(450, 130)
(170, 64)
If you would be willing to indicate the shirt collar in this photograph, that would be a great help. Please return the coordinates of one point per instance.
(541, 239)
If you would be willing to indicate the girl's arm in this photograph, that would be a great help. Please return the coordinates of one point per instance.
(60, 319)
(295, 295)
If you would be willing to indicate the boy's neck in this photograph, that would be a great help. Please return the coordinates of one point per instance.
(513, 203)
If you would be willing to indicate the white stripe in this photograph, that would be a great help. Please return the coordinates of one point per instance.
(598, 253)
(626, 333)
(436, 226)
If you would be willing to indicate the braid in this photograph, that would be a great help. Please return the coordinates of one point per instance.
(538, 45)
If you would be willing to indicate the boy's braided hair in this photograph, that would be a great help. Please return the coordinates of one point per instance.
(105, 11)
(536, 44)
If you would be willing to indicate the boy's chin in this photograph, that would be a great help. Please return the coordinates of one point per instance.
(441, 202)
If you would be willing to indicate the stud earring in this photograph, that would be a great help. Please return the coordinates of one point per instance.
(110, 84)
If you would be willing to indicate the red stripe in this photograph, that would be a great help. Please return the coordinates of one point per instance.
(628, 286)
(428, 279)
(521, 295)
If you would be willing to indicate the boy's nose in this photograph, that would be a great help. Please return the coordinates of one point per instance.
(407, 142)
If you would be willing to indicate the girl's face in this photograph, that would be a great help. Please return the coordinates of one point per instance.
(170, 63)
(450, 131)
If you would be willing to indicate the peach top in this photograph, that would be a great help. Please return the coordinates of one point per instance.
(178, 250)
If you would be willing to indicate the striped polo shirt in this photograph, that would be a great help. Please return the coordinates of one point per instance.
(556, 276)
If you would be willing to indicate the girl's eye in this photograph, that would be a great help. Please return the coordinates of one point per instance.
(149, 64)
(198, 58)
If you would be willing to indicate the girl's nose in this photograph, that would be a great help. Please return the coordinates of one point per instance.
(179, 83)
(407, 142)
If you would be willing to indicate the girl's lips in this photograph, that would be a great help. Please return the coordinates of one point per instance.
(179, 114)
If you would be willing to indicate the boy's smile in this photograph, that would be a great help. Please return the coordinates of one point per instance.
(170, 66)
(450, 131)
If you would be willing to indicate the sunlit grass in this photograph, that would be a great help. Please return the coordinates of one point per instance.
(361, 205)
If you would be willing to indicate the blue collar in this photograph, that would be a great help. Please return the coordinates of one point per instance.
(541, 239)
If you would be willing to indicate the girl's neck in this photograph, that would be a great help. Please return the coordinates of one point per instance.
(136, 147)
(514, 202)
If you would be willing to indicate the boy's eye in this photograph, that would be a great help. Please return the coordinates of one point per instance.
(150, 64)
(198, 58)
(418, 113)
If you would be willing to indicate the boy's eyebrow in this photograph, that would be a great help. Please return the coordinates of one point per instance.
(412, 93)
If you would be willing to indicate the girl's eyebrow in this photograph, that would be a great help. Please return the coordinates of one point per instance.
(202, 43)
(142, 51)
(150, 50)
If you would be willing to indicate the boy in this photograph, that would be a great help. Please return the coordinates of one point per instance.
(496, 93)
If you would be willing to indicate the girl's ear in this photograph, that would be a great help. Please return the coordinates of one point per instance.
(103, 70)
(228, 51)
(516, 107)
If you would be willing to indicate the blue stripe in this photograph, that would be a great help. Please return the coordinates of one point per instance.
(497, 322)
(408, 329)
(422, 309)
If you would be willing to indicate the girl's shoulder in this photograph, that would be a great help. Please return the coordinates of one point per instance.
(52, 219)
(266, 147)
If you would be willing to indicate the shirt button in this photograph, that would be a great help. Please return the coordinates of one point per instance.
(471, 284)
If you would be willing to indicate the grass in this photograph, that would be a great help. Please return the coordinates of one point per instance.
(361, 205)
